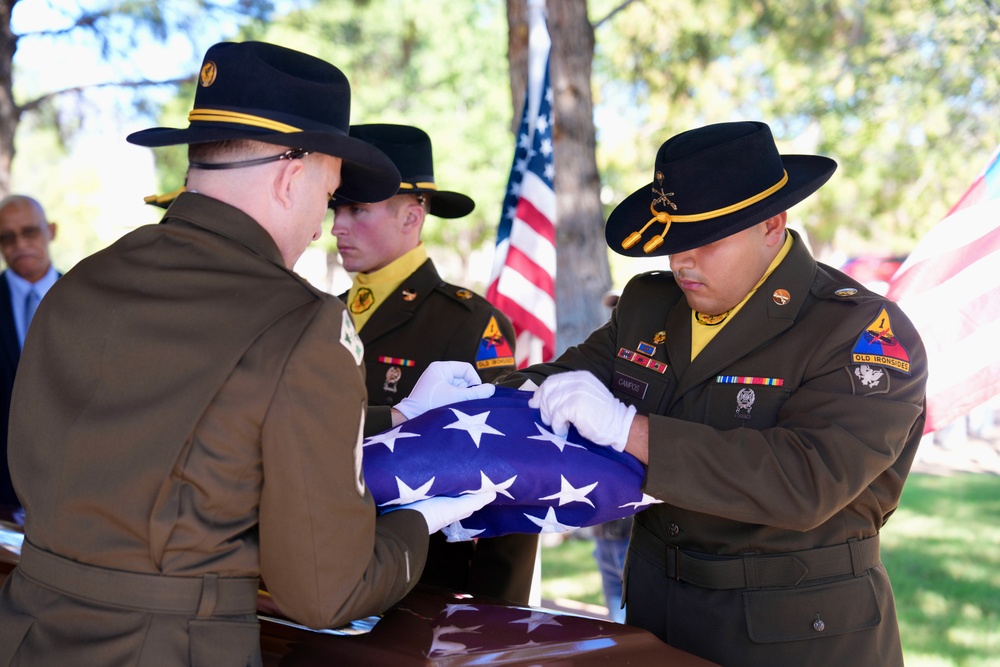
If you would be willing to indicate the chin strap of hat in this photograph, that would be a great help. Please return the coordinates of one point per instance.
(292, 154)
(666, 219)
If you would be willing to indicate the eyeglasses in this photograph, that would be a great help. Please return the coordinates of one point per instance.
(29, 234)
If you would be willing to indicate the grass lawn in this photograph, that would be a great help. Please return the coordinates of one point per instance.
(942, 552)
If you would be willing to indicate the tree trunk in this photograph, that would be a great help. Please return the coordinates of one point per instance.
(8, 109)
(517, 57)
(583, 275)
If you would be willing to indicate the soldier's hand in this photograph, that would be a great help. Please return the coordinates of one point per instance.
(579, 398)
(444, 383)
(443, 511)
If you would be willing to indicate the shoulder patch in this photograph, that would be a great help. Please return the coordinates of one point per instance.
(877, 345)
(349, 338)
(494, 350)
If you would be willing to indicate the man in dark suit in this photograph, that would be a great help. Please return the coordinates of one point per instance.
(408, 317)
(188, 412)
(25, 234)
(776, 403)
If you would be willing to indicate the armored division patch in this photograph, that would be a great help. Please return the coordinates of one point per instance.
(877, 345)
(494, 350)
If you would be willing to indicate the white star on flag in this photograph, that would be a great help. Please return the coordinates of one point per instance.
(569, 494)
(408, 495)
(474, 425)
(456, 532)
(486, 485)
(389, 438)
(550, 524)
(549, 436)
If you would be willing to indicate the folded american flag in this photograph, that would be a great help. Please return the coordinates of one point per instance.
(544, 483)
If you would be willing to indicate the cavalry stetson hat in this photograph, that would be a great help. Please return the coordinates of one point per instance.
(409, 148)
(709, 183)
(264, 92)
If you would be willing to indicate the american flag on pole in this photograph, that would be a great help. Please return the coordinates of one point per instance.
(950, 287)
(545, 483)
(523, 279)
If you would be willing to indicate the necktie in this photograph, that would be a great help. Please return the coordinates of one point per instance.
(30, 305)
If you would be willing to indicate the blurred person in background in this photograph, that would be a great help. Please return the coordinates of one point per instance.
(25, 234)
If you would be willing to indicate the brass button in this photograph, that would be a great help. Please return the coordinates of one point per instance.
(819, 625)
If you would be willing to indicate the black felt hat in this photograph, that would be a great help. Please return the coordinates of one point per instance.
(709, 183)
(409, 148)
(264, 92)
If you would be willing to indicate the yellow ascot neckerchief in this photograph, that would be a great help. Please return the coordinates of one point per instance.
(703, 333)
(370, 290)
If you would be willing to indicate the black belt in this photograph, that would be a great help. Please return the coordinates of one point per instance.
(196, 596)
(754, 570)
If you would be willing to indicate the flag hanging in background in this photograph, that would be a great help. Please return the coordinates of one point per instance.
(950, 287)
(523, 279)
(544, 483)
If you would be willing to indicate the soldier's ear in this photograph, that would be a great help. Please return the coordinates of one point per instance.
(414, 215)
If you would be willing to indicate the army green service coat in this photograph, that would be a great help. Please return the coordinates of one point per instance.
(777, 438)
(185, 407)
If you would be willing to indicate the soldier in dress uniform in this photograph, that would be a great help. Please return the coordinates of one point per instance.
(187, 415)
(777, 404)
(408, 317)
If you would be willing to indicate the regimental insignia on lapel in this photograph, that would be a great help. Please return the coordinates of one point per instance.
(363, 300)
(409, 295)
(660, 337)
(877, 345)
(463, 294)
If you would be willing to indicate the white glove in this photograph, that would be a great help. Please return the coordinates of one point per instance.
(443, 383)
(442, 511)
(579, 398)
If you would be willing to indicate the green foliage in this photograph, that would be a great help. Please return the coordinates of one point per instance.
(77, 79)
(904, 97)
(442, 70)
(570, 572)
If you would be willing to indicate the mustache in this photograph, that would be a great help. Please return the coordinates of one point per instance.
(687, 274)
